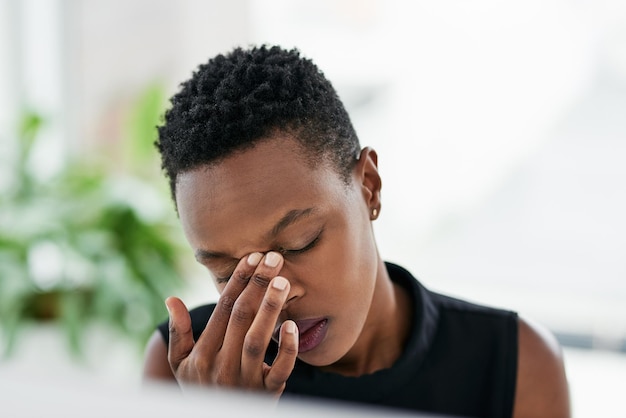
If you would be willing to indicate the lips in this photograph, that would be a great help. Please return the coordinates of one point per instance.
(311, 333)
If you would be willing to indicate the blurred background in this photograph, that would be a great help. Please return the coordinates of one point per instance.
(500, 129)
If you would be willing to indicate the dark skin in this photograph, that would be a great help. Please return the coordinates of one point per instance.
(290, 244)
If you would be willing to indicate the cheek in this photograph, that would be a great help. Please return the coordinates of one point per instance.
(358, 244)
(351, 264)
(354, 249)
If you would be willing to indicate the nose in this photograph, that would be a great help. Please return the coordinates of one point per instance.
(290, 300)
(296, 290)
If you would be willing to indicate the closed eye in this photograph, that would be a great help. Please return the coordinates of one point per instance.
(306, 248)
(222, 280)
(284, 252)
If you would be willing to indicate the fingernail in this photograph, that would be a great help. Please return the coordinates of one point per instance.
(254, 258)
(272, 259)
(279, 283)
(290, 327)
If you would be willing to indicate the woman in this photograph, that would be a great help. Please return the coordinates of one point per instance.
(277, 198)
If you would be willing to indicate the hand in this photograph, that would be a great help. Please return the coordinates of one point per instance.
(230, 351)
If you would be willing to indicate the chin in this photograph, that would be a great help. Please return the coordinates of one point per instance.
(322, 357)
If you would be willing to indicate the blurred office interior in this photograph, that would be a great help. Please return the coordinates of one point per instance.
(500, 129)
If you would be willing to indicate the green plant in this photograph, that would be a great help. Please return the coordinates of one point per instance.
(85, 246)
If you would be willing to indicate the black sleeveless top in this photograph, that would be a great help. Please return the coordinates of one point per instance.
(461, 359)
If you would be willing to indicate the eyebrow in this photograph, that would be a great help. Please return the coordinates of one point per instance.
(291, 217)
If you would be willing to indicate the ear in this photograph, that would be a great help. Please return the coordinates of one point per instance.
(368, 179)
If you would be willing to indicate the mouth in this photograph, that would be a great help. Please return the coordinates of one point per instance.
(311, 333)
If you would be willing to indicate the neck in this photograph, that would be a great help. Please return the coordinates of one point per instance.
(385, 332)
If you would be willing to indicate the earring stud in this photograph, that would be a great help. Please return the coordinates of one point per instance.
(374, 212)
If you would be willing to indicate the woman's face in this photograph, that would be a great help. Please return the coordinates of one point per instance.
(268, 198)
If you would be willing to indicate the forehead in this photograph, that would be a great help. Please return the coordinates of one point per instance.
(239, 198)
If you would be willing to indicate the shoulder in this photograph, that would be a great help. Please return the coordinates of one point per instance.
(156, 367)
(542, 388)
(489, 323)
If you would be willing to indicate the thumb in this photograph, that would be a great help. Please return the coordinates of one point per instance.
(181, 335)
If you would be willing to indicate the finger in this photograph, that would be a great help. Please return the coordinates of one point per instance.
(212, 336)
(260, 333)
(285, 361)
(181, 335)
(247, 304)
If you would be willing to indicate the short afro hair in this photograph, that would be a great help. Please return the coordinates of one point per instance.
(236, 99)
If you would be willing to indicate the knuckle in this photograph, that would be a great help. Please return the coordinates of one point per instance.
(242, 313)
(227, 303)
(271, 305)
(222, 378)
(227, 379)
(201, 363)
(260, 280)
(240, 276)
(253, 346)
(276, 380)
(176, 335)
(289, 349)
